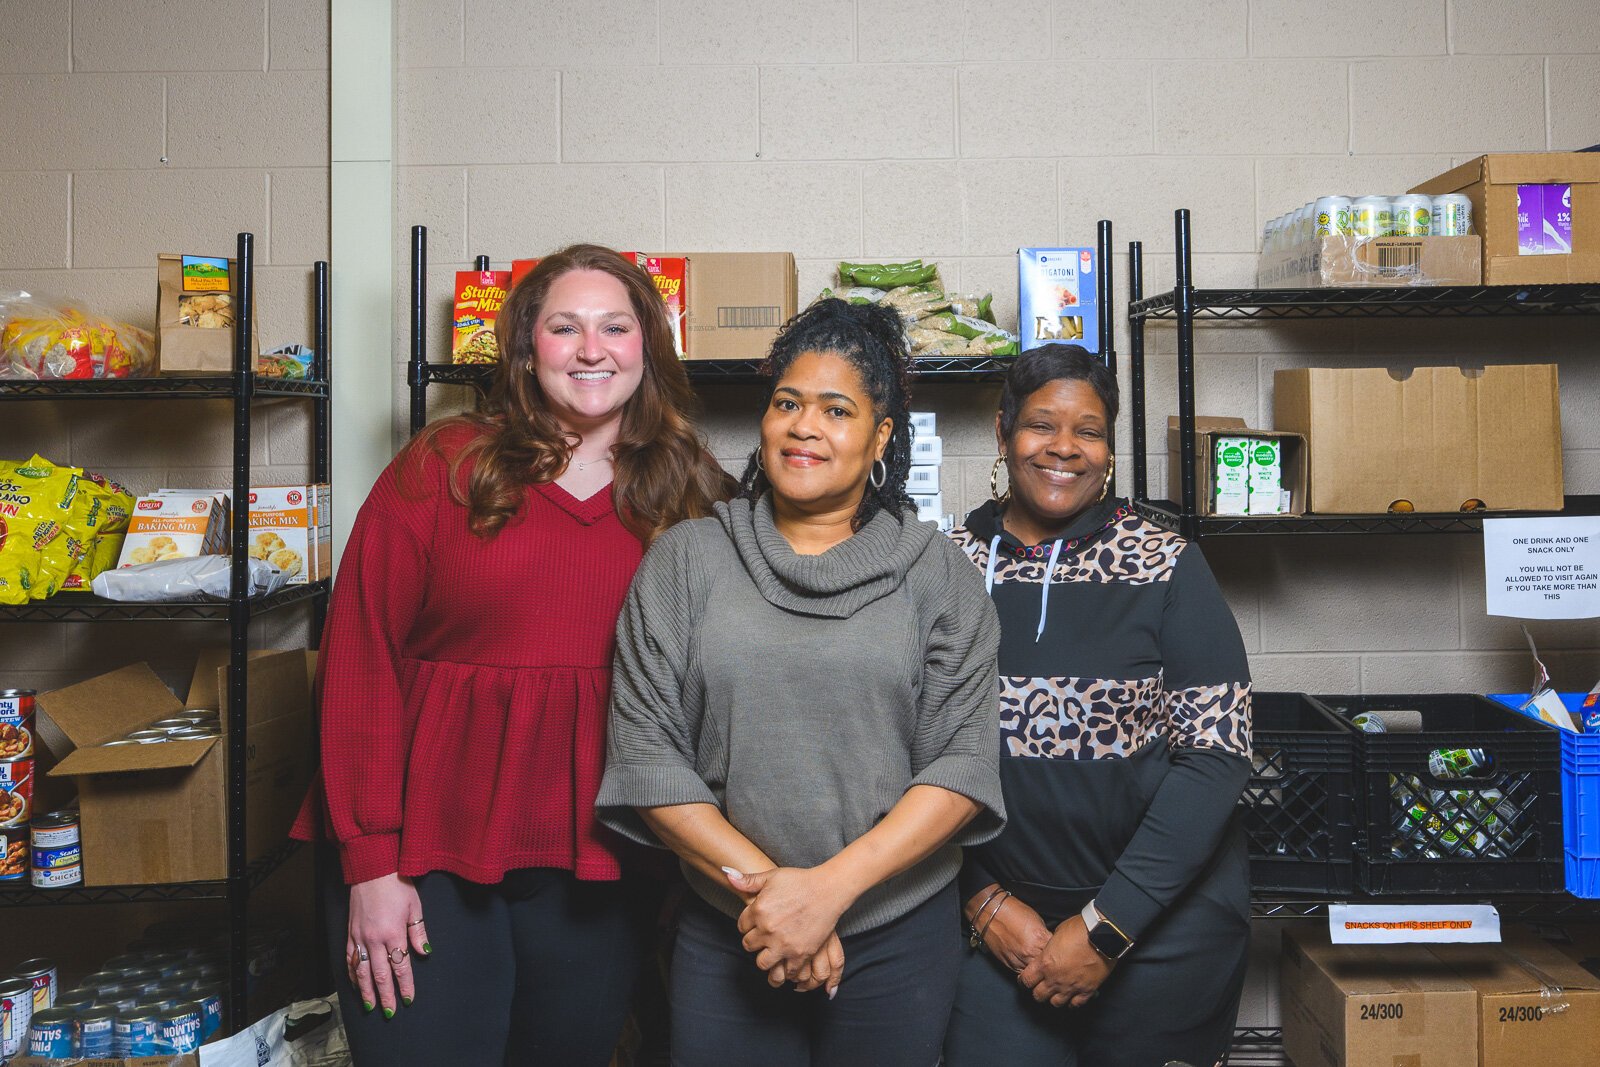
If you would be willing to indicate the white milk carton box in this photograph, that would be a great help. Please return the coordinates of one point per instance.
(923, 424)
(922, 480)
(1056, 293)
(175, 524)
(291, 527)
(1231, 480)
(928, 451)
(930, 508)
(1266, 477)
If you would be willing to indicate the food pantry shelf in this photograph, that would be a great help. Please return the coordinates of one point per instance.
(86, 607)
(1409, 302)
(22, 895)
(937, 368)
(1168, 515)
(195, 387)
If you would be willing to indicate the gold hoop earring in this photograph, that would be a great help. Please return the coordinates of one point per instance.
(994, 481)
(1111, 472)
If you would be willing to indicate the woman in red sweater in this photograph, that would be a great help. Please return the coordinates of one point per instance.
(466, 669)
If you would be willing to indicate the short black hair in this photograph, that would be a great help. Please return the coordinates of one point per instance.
(1038, 367)
(873, 341)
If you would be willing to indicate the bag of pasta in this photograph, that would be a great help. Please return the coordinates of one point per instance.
(46, 338)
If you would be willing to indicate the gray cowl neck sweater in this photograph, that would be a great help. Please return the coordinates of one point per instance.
(803, 695)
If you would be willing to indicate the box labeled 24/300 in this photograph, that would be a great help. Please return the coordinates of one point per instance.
(1056, 293)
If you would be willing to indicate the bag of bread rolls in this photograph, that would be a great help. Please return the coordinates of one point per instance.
(195, 315)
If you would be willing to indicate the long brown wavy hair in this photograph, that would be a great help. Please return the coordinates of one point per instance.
(662, 473)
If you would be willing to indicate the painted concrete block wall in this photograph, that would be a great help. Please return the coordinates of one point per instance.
(134, 129)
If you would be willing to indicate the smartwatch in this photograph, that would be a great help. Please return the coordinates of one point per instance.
(1104, 936)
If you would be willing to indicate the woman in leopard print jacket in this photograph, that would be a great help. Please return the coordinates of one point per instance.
(1110, 920)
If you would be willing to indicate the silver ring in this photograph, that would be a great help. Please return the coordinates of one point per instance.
(361, 953)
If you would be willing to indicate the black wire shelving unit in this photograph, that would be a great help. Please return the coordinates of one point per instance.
(1186, 305)
(420, 373)
(243, 387)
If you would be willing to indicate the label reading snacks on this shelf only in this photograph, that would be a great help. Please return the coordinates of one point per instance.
(1393, 924)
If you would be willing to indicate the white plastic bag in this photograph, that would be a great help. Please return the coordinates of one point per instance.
(306, 1034)
(193, 578)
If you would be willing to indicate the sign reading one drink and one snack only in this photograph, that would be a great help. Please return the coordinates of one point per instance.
(1547, 568)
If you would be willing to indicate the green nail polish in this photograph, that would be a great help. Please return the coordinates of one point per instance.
(427, 949)
(406, 1001)
(388, 1013)
(367, 1005)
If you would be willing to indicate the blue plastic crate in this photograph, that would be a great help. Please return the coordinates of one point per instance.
(1580, 797)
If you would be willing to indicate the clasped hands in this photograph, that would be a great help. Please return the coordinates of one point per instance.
(790, 923)
(1061, 969)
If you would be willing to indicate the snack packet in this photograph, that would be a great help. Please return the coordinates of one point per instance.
(50, 339)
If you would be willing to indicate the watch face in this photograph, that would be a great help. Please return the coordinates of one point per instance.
(1108, 942)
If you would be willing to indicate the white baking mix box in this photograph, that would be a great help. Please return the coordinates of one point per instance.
(1266, 477)
(1231, 483)
(291, 527)
(1056, 289)
(175, 524)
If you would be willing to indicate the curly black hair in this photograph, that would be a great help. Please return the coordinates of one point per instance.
(873, 341)
(1038, 367)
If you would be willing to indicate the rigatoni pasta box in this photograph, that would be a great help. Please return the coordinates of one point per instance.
(479, 295)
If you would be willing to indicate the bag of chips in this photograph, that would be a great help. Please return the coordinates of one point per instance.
(44, 338)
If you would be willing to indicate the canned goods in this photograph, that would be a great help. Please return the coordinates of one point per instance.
(13, 854)
(168, 963)
(58, 877)
(210, 1001)
(169, 725)
(1331, 216)
(1411, 215)
(16, 1012)
(121, 998)
(1371, 216)
(147, 737)
(180, 1028)
(17, 706)
(103, 980)
(78, 999)
(137, 1032)
(125, 962)
(96, 1032)
(51, 1034)
(16, 790)
(142, 979)
(56, 829)
(1452, 215)
(195, 733)
(46, 985)
(1451, 763)
(1369, 724)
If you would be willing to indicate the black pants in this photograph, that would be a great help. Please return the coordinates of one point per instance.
(1174, 997)
(537, 970)
(890, 1011)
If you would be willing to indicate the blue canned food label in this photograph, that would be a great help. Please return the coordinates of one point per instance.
(179, 1033)
(140, 1038)
(50, 859)
(95, 1037)
(210, 1016)
(51, 1041)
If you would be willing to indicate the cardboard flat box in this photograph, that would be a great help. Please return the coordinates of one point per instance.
(737, 302)
(1500, 187)
(1535, 1005)
(1372, 1005)
(1343, 261)
(158, 813)
(1207, 429)
(1437, 438)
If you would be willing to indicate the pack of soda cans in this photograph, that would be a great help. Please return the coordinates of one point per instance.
(1407, 215)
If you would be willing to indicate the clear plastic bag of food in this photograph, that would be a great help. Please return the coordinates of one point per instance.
(46, 338)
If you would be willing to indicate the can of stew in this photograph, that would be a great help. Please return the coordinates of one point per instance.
(16, 790)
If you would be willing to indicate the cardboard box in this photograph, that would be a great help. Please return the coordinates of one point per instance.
(1437, 438)
(291, 527)
(1372, 1006)
(737, 302)
(1207, 429)
(1342, 261)
(1551, 197)
(1057, 290)
(158, 813)
(1535, 1006)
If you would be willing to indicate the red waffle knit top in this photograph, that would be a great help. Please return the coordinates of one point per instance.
(464, 683)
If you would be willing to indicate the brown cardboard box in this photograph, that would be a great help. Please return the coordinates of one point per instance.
(1344, 261)
(738, 301)
(157, 813)
(1206, 430)
(1372, 1005)
(1439, 437)
(1535, 1006)
(1491, 183)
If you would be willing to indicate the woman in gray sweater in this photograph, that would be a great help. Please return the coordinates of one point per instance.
(804, 711)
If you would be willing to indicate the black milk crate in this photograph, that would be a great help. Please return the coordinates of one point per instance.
(1496, 832)
(1300, 803)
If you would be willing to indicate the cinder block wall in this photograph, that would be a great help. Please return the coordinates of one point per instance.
(132, 129)
(959, 131)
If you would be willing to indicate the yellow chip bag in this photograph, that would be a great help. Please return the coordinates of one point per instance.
(37, 501)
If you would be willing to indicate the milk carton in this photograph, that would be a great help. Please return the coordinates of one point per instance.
(1056, 291)
(929, 508)
(927, 451)
(1231, 480)
(1266, 477)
